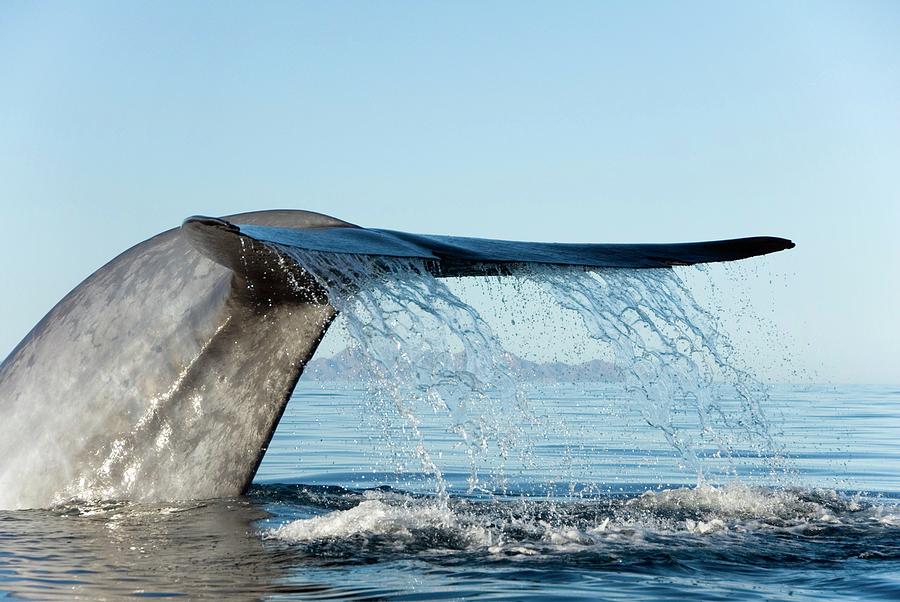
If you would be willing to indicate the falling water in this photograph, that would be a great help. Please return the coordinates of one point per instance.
(431, 356)
(676, 362)
(426, 352)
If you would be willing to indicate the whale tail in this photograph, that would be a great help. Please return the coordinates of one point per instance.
(177, 358)
(227, 243)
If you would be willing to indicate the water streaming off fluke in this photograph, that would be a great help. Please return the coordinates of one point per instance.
(429, 356)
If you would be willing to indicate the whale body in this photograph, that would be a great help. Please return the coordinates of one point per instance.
(164, 374)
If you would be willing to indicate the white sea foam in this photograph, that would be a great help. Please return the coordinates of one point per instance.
(509, 528)
(370, 517)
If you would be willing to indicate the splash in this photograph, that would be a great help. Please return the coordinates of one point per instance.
(736, 516)
(431, 356)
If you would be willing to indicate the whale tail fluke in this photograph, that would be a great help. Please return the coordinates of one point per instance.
(227, 243)
(196, 338)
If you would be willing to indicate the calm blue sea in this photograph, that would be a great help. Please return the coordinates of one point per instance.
(587, 500)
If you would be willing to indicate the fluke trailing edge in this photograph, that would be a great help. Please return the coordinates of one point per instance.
(164, 374)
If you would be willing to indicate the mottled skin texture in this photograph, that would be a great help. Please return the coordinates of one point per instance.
(160, 377)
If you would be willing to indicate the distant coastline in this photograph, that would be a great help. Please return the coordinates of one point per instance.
(349, 366)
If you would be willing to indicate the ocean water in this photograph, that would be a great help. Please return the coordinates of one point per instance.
(603, 509)
(444, 474)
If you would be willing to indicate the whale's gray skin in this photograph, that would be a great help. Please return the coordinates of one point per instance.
(163, 375)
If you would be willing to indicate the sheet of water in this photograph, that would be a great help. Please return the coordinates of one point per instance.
(431, 357)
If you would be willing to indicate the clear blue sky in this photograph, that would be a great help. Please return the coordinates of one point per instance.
(595, 121)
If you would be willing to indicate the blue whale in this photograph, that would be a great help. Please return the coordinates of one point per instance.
(164, 374)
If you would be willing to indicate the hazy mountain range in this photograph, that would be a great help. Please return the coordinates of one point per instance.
(349, 366)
